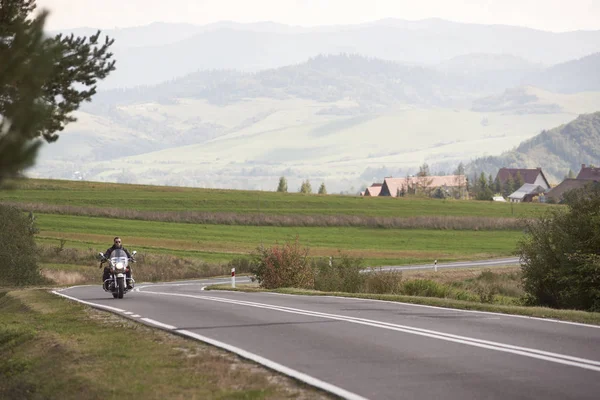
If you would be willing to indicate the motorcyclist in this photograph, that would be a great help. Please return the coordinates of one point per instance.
(106, 275)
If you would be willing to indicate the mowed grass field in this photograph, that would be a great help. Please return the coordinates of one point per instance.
(167, 198)
(222, 243)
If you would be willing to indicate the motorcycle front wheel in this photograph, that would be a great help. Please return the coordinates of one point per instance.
(120, 287)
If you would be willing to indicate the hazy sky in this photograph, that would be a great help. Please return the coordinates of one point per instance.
(552, 15)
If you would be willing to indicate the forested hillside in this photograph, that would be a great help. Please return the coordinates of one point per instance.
(556, 150)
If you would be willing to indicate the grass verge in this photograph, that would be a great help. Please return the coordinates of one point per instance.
(539, 312)
(56, 349)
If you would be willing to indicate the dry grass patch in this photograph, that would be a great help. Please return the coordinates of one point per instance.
(449, 275)
(64, 278)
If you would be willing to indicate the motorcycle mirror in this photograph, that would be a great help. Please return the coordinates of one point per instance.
(100, 255)
(134, 252)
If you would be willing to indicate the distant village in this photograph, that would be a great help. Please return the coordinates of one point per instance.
(510, 184)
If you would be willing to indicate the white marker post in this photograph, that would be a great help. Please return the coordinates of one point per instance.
(233, 277)
(435, 265)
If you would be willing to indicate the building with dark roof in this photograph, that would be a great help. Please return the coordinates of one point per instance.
(589, 173)
(534, 176)
(557, 193)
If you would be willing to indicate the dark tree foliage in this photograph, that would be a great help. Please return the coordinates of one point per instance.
(561, 254)
(322, 189)
(42, 81)
(519, 181)
(305, 188)
(482, 189)
(24, 67)
(283, 186)
(18, 253)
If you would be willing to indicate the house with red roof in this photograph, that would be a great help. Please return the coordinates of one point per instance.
(373, 190)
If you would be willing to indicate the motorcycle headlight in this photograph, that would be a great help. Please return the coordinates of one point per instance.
(120, 265)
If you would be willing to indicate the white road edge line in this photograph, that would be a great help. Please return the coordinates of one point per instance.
(277, 367)
(159, 324)
(338, 391)
(89, 304)
(523, 351)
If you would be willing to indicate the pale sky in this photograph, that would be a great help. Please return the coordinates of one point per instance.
(550, 15)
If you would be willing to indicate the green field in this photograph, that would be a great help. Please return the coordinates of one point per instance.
(223, 242)
(218, 243)
(165, 198)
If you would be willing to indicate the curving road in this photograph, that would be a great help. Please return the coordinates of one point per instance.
(368, 349)
(499, 262)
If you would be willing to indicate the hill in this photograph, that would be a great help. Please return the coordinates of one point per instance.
(322, 78)
(374, 82)
(156, 53)
(572, 76)
(332, 118)
(556, 150)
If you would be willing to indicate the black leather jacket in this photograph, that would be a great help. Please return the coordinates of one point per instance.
(110, 249)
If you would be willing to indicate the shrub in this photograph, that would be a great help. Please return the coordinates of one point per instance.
(241, 264)
(341, 275)
(487, 276)
(18, 264)
(382, 282)
(285, 266)
(486, 292)
(425, 288)
(560, 254)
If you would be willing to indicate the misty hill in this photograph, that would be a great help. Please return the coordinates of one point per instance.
(572, 76)
(485, 82)
(488, 72)
(556, 150)
(518, 100)
(159, 52)
(323, 78)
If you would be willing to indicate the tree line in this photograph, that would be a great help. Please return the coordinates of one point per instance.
(305, 187)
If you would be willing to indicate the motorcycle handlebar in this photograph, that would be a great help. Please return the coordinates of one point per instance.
(106, 260)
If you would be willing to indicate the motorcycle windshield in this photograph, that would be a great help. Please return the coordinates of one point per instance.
(118, 255)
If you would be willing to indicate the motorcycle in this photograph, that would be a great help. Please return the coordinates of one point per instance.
(118, 283)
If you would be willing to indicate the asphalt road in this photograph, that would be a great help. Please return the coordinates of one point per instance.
(499, 262)
(372, 349)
